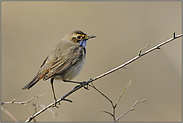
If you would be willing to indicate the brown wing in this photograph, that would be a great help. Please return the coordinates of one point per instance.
(61, 59)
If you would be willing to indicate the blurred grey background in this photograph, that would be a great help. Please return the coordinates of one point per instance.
(30, 30)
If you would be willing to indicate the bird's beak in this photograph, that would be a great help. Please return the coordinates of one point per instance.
(89, 37)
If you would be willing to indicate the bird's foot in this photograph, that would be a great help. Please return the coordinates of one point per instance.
(85, 85)
(55, 103)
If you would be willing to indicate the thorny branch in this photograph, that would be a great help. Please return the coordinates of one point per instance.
(104, 74)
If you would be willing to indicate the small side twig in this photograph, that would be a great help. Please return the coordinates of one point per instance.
(22, 103)
(122, 93)
(14, 102)
(131, 109)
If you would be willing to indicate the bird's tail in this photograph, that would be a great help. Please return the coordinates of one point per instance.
(32, 83)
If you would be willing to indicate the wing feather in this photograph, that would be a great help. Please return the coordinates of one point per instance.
(60, 61)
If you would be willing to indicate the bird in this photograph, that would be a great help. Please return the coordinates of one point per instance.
(64, 62)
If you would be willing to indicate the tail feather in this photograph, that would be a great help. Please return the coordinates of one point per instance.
(32, 83)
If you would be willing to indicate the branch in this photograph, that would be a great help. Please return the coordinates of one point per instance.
(9, 114)
(104, 74)
(13, 102)
(132, 108)
(114, 106)
(21, 103)
(92, 85)
(121, 94)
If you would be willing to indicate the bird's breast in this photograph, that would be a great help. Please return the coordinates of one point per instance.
(71, 72)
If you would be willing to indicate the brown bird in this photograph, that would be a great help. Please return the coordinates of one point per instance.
(65, 61)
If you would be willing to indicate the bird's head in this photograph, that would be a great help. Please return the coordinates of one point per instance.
(78, 37)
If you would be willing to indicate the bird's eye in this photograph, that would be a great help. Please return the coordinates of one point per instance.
(79, 37)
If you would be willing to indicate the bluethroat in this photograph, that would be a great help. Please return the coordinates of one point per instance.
(65, 61)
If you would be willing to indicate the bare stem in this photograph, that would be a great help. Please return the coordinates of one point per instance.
(21, 103)
(106, 73)
(113, 106)
(9, 114)
(131, 109)
(102, 94)
(122, 94)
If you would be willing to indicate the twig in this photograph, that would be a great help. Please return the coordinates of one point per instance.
(21, 103)
(35, 110)
(9, 114)
(104, 74)
(132, 108)
(112, 104)
(108, 113)
(121, 94)
(14, 102)
(92, 85)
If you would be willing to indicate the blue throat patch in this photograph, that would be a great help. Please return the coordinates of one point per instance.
(83, 43)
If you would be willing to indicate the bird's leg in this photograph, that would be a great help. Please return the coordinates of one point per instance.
(55, 99)
(82, 83)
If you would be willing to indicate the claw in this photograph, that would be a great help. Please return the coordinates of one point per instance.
(84, 85)
(55, 103)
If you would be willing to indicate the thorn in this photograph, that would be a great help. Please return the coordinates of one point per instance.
(68, 100)
(139, 54)
(174, 35)
(132, 109)
(13, 100)
(158, 48)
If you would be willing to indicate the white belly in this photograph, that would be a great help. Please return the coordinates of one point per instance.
(72, 72)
